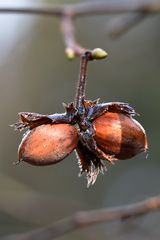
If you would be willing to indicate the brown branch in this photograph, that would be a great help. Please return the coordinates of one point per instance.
(87, 218)
(68, 12)
(82, 9)
(40, 9)
(81, 84)
(120, 25)
(68, 31)
(109, 7)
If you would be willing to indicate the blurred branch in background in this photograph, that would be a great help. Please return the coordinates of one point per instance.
(67, 13)
(88, 218)
(121, 24)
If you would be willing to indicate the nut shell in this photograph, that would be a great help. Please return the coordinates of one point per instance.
(119, 135)
(48, 144)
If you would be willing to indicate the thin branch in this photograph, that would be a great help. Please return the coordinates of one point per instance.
(120, 25)
(40, 9)
(88, 218)
(68, 31)
(68, 12)
(89, 8)
(81, 84)
(109, 7)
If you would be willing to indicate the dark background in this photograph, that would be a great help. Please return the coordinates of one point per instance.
(35, 76)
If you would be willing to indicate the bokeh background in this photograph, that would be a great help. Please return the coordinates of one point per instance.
(35, 76)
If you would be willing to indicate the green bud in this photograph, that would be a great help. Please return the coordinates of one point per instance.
(70, 53)
(99, 53)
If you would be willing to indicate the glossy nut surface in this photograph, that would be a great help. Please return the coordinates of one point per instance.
(48, 144)
(119, 135)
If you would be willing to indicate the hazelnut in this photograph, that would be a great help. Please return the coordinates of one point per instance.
(48, 144)
(119, 135)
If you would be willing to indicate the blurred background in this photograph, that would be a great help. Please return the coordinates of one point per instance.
(35, 76)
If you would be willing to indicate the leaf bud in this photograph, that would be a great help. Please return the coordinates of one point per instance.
(70, 53)
(99, 53)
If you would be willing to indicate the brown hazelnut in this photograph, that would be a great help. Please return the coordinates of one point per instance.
(48, 144)
(119, 135)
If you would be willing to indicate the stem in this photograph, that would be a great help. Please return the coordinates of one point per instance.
(68, 32)
(81, 84)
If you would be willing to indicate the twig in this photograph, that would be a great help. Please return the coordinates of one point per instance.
(87, 218)
(82, 80)
(68, 31)
(82, 9)
(120, 25)
(68, 12)
(40, 9)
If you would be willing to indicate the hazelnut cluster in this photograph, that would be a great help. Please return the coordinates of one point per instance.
(104, 131)
(96, 131)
